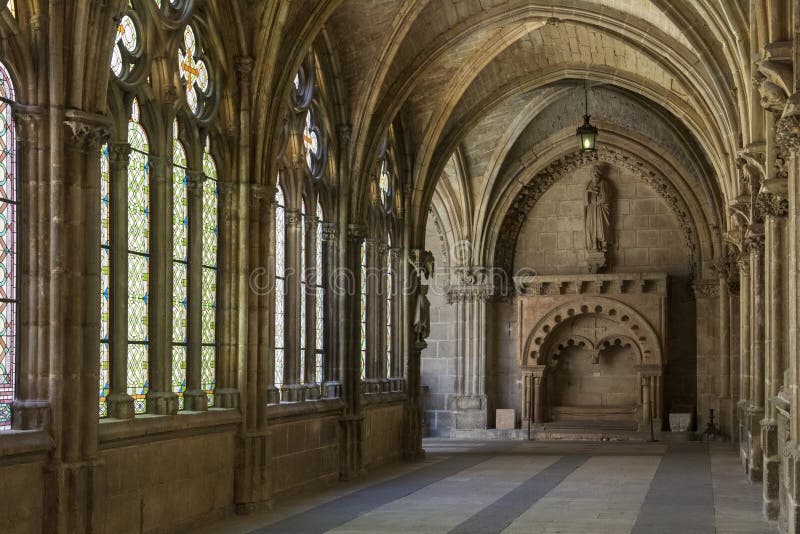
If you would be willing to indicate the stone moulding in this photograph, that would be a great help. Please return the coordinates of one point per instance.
(530, 194)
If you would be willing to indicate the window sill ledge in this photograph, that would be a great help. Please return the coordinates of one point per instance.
(289, 410)
(390, 397)
(22, 442)
(114, 432)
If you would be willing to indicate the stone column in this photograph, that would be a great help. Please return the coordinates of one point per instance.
(744, 358)
(538, 402)
(789, 135)
(776, 210)
(312, 389)
(120, 404)
(756, 413)
(352, 422)
(331, 377)
(470, 296)
(195, 398)
(160, 398)
(292, 390)
(31, 406)
(725, 403)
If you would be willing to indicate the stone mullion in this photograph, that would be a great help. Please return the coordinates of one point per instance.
(120, 404)
(381, 304)
(195, 398)
(372, 315)
(160, 399)
(291, 366)
(396, 369)
(724, 353)
(331, 364)
(310, 376)
(756, 318)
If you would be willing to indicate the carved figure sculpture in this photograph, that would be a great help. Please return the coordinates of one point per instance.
(422, 315)
(597, 213)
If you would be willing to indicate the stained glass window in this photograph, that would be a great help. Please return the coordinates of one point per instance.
(8, 251)
(209, 293)
(105, 278)
(310, 138)
(280, 271)
(193, 70)
(363, 308)
(180, 262)
(12, 7)
(319, 299)
(303, 287)
(138, 258)
(124, 46)
(384, 184)
(389, 304)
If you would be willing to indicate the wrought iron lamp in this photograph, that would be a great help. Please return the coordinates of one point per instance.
(587, 134)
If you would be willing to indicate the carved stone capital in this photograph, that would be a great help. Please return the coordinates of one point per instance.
(356, 232)
(470, 293)
(195, 182)
(244, 68)
(706, 289)
(772, 205)
(394, 254)
(787, 131)
(257, 194)
(330, 231)
(27, 122)
(293, 217)
(89, 130)
(755, 243)
(119, 154)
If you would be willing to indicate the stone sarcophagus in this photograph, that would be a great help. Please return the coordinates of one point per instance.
(592, 349)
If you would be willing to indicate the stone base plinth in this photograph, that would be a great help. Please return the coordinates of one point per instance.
(771, 469)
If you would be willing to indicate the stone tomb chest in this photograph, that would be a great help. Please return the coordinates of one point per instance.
(591, 349)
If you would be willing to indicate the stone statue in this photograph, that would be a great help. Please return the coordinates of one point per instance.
(422, 315)
(597, 213)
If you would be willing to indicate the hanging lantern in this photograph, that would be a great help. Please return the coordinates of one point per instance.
(587, 134)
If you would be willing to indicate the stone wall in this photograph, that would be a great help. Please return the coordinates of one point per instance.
(439, 359)
(158, 485)
(21, 497)
(383, 434)
(305, 453)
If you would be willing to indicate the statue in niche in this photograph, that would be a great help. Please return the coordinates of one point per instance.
(597, 220)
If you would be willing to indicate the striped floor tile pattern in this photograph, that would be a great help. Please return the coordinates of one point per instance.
(531, 488)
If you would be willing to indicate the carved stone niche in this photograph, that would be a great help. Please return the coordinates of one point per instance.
(603, 349)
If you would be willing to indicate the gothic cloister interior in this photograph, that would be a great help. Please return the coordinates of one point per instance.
(399, 265)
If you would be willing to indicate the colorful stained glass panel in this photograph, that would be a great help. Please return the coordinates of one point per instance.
(8, 253)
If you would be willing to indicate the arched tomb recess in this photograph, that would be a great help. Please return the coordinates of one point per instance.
(555, 333)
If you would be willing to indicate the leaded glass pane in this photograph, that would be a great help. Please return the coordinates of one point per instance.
(389, 305)
(8, 252)
(303, 287)
(193, 71)
(127, 38)
(137, 297)
(210, 231)
(209, 305)
(363, 308)
(179, 302)
(179, 372)
(280, 264)
(319, 299)
(207, 372)
(105, 385)
(137, 375)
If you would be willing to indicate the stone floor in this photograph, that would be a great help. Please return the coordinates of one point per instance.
(532, 487)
